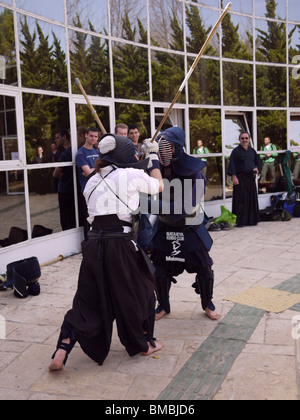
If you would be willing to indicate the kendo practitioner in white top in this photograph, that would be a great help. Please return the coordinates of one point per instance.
(180, 240)
(116, 278)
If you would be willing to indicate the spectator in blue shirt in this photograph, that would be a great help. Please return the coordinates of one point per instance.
(85, 162)
(87, 156)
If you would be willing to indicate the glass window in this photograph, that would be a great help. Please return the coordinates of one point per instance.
(235, 124)
(199, 22)
(135, 114)
(294, 137)
(238, 84)
(46, 205)
(89, 59)
(272, 124)
(205, 125)
(53, 9)
(85, 119)
(88, 14)
(9, 149)
(129, 20)
(228, 180)
(42, 54)
(166, 24)
(131, 71)
(244, 6)
(294, 130)
(294, 44)
(237, 37)
(212, 3)
(294, 10)
(8, 69)
(294, 86)
(270, 41)
(13, 228)
(272, 9)
(214, 177)
(204, 83)
(271, 86)
(44, 115)
(176, 118)
(167, 76)
(295, 167)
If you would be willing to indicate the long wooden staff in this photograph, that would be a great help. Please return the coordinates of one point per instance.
(91, 106)
(226, 10)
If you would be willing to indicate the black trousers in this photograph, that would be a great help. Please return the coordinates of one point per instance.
(115, 283)
(198, 262)
(245, 200)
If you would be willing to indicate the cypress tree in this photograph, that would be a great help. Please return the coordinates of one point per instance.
(7, 45)
(28, 56)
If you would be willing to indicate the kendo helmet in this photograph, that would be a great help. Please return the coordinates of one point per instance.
(182, 163)
(170, 145)
(120, 151)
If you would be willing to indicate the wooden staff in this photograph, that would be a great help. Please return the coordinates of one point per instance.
(91, 106)
(59, 258)
(226, 10)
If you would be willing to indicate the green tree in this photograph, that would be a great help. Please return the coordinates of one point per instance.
(99, 65)
(272, 124)
(198, 32)
(130, 64)
(206, 124)
(168, 69)
(271, 45)
(79, 58)
(177, 34)
(232, 46)
(59, 67)
(7, 45)
(204, 84)
(28, 56)
(43, 60)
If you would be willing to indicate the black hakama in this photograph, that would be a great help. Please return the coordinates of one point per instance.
(245, 199)
(115, 283)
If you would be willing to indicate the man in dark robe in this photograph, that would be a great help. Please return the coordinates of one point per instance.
(243, 166)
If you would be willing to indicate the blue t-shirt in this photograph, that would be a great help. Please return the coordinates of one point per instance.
(84, 157)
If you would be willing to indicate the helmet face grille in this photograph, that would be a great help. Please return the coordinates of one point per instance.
(165, 151)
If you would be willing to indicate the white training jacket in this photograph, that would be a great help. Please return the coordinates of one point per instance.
(116, 191)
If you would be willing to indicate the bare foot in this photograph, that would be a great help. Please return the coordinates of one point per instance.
(212, 314)
(59, 358)
(151, 349)
(160, 315)
(58, 361)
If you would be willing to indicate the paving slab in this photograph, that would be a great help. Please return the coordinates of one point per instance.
(249, 354)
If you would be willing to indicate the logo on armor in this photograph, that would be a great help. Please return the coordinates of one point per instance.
(175, 242)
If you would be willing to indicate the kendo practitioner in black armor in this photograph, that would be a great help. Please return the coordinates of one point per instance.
(180, 240)
(116, 279)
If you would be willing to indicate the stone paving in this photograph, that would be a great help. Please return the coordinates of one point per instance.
(249, 354)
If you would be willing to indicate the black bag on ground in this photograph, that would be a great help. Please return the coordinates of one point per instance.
(274, 215)
(297, 206)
